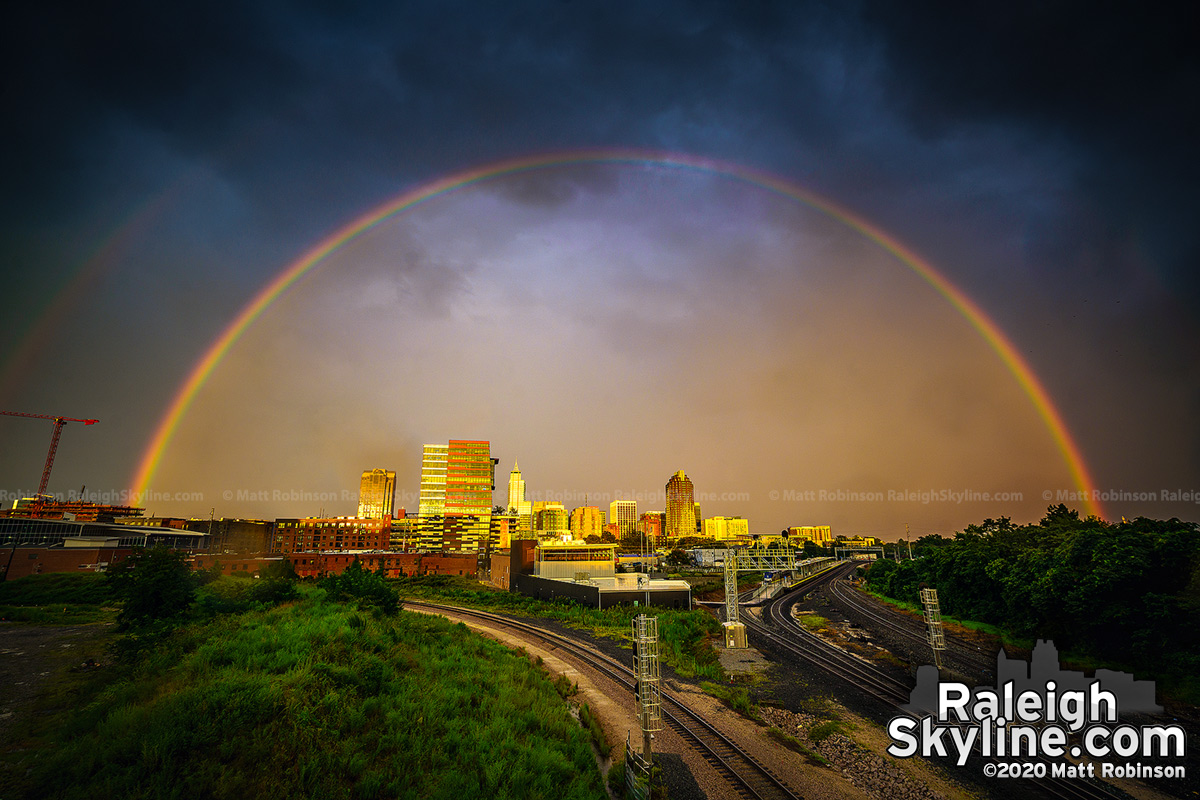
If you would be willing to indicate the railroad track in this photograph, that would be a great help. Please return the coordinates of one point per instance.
(746, 775)
(794, 639)
(958, 650)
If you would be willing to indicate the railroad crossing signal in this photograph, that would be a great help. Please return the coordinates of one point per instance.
(933, 620)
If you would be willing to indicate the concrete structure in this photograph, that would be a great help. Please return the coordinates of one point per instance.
(681, 506)
(549, 572)
(725, 528)
(377, 494)
(37, 546)
(624, 514)
(60, 533)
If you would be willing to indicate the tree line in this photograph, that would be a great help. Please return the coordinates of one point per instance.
(1125, 592)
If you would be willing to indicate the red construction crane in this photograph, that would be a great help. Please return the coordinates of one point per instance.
(58, 426)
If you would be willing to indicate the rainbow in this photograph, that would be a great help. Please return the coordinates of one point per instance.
(974, 315)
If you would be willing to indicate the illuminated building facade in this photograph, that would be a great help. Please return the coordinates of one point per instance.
(470, 481)
(433, 481)
(818, 534)
(317, 534)
(377, 494)
(681, 506)
(699, 519)
(624, 514)
(650, 525)
(518, 506)
(586, 521)
(722, 528)
(550, 518)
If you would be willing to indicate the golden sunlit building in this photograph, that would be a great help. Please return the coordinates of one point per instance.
(817, 534)
(550, 518)
(722, 528)
(377, 494)
(681, 506)
(586, 521)
(623, 514)
(470, 481)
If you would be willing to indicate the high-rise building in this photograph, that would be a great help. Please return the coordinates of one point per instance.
(433, 481)
(457, 480)
(722, 528)
(681, 506)
(586, 521)
(650, 524)
(699, 519)
(518, 506)
(470, 481)
(623, 513)
(550, 518)
(377, 494)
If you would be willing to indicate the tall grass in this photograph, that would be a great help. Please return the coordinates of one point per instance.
(684, 636)
(314, 699)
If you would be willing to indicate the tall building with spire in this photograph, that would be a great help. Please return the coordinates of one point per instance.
(377, 494)
(518, 506)
(681, 506)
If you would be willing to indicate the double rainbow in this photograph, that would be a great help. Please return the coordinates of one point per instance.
(980, 321)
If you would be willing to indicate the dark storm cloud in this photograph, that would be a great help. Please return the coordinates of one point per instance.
(1117, 84)
(1039, 154)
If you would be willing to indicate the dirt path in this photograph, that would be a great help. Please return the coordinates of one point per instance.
(30, 655)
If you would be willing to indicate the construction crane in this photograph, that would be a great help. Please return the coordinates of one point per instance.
(58, 426)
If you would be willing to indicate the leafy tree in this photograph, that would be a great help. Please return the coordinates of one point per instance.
(369, 589)
(156, 584)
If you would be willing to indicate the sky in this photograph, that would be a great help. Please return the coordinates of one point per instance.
(691, 272)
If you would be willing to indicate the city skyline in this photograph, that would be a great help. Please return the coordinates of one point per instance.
(848, 265)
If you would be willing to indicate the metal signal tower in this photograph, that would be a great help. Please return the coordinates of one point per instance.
(751, 560)
(58, 426)
(649, 702)
(933, 619)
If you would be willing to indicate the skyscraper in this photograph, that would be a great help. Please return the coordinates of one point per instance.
(624, 514)
(470, 481)
(377, 494)
(681, 507)
(433, 481)
(517, 504)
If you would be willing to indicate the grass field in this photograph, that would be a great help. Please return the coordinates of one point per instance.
(308, 699)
